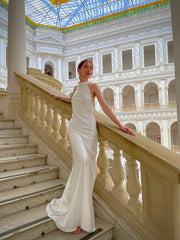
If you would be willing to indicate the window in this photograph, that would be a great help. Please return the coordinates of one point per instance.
(48, 70)
(71, 70)
(170, 52)
(127, 59)
(149, 56)
(107, 63)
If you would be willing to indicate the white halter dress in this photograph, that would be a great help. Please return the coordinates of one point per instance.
(75, 207)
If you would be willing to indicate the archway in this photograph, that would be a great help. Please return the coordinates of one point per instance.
(48, 69)
(151, 98)
(128, 99)
(109, 97)
(174, 137)
(172, 94)
(131, 126)
(153, 132)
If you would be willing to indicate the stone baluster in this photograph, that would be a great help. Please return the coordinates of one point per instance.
(133, 186)
(118, 176)
(103, 164)
(42, 113)
(23, 96)
(28, 101)
(32, 107)
(49, 118)
(36, 119)
(63, 131)
(55, 125)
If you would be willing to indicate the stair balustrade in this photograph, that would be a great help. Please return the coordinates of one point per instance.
(154, 217)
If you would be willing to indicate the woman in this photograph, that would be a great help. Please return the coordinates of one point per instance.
(74, 210)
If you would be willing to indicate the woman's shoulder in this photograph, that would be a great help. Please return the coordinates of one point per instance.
(93, 85)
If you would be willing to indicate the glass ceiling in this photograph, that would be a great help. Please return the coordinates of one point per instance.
(69, 14)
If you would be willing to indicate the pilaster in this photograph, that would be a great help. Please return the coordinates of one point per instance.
(59, 71)
(138, 98)
(164, 133)
(162, 95)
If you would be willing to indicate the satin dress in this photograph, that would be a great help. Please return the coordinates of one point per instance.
(75, 207)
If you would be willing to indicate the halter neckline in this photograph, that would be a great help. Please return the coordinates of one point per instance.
(85, 82)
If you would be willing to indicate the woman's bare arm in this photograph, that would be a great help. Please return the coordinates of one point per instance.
(65, 99)
(106, 109)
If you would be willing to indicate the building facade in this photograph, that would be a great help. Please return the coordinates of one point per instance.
(133, 66)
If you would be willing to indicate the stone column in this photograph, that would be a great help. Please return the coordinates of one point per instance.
(96, 63)
(115, 65)
(164, 133)
(116, 99)
(137, 55)
(162, 95)
(59, 72)
(139, 127)
(160, 51)
(138, 98)
(142, 98)
(39, 63)
(120, 100)
(175, 10)
(16, 54)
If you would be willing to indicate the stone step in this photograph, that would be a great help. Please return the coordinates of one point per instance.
(10, 131)
(17, 149)
(23, 161)
(26, 176)
(32, 223)
(7, 123)
(26, 225)
(103, 232)
(13, 139)
(19, 199)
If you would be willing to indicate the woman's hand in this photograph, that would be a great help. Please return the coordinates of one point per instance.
(55, 96)
(127, 130)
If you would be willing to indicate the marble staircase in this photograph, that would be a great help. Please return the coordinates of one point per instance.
(27, 183)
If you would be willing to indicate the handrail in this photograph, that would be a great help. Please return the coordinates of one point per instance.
(45, 78)
(154, 218)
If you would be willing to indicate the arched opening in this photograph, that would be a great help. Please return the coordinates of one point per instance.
(153, 132)
(48, 69)
(172, 94)
(109, 97)
(131, 126)
(151, 98)
(128, 99)
(174, 137)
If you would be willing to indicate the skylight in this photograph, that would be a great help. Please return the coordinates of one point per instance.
(68, 14)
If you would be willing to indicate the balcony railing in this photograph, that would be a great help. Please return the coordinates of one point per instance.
(148, 106)
(157, 215)
(128, 108)
(172, 104)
